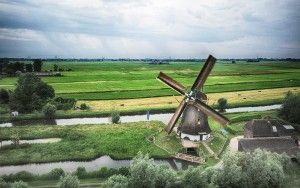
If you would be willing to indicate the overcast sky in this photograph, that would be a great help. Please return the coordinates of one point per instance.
(150, 28)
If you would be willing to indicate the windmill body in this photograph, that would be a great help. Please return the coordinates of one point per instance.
(193, 108)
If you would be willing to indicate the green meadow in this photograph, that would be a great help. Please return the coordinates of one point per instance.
(127, 80)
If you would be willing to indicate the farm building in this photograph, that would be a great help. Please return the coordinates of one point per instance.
(279, 145)
(267, 128)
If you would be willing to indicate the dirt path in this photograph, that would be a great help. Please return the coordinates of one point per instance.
(233, 144)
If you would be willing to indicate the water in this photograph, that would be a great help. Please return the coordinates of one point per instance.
(125, 119)
(71, 166)
(35, 141)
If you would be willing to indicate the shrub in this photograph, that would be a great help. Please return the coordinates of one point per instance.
(124, 171)
(222, 104)
(290, 109)
(68, 181)
(84, 106)
(19, 184)
(4, 96)
(64, 103)
(81, 172)
(49, 111)
(24, 176)
(117, 181)
(104, 172)
(3, 184)
(56, 173)
(115, 117)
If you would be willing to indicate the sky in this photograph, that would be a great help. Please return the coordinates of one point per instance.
(150, 28)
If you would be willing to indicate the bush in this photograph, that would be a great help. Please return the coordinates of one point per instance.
(24, 176)
(68, 181)
(115, 117)
(124, 171)
(104, 172)
(49, 111)
(222, 104)
(81, 172)
(4, 96)
(290, 109)
(3, 184)
(56, 173)
(64, 103)
(117, 181)
(84, 106)
(19, 184)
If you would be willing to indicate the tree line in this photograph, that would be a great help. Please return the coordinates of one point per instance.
(12, 68)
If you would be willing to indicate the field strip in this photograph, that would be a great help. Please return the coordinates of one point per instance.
(173, 101)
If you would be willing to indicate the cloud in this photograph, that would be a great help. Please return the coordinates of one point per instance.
(149, 28)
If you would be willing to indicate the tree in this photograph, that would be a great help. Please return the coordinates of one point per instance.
(4, 96)
(165, 177)
(27, 95)
(222, 104)
(143, 172)
(28, 67)
(117, 181)
(55, 67)
(45, 91)
(290, 109)
(194, 178)
(49, 111)
(258, 169)
(68, 181)
(37, 65)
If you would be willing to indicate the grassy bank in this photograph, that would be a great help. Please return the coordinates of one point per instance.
(82, 142)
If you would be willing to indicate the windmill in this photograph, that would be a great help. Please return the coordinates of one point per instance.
(194, 124)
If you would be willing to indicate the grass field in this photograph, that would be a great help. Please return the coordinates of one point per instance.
(86, 142)
(242, 98)
(130, 80)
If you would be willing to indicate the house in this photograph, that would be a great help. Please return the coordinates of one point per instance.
(284, 144)
(267, 128)
(270, 134)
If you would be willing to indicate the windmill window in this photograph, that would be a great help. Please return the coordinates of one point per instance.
(274, 129)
